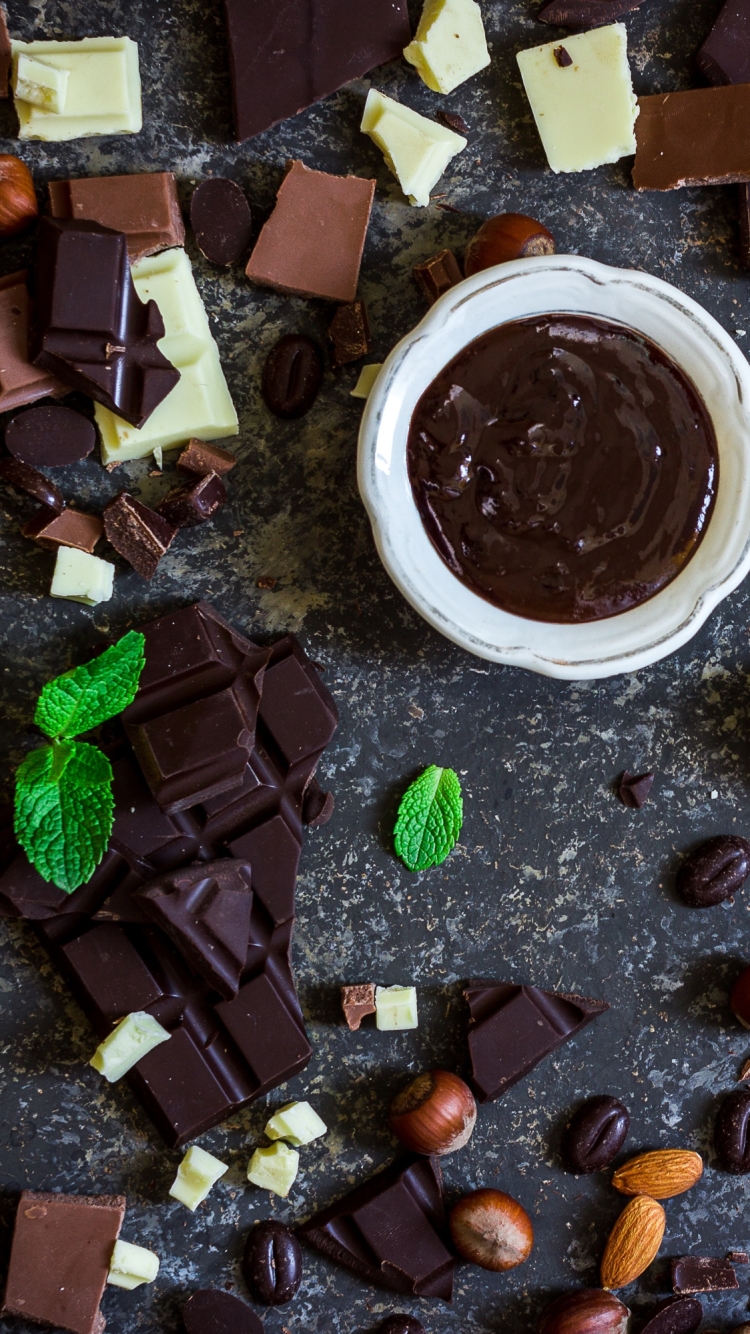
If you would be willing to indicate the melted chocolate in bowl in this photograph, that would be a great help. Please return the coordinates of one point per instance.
(564, 467)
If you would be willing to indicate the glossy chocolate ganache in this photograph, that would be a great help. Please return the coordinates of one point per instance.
(564, 467)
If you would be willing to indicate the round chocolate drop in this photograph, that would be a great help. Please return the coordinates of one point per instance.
(292, 376)
(732, 1132)
(595, 1135)
(272, 1263)
(212, 1311)
(715, 871)
(221, 219)
(401, 1324)
(49, 436)
(32, 483)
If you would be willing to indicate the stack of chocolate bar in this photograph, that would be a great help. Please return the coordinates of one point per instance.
(190, 914)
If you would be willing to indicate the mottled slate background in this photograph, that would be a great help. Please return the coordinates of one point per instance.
(554, 881)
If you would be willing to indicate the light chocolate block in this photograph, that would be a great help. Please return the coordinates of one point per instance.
(145, 206)
(416, 149)
(103, 91)
(20, 382)
(699, 137)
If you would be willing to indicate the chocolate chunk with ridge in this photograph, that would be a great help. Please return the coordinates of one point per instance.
(695, 137)
(188, 506)
(50, 435)
(211, 1311)
(22, 477)
(138, 533)
(724, 57)
(698, 1273)
(437, 275)
(144, 206)
(203, 458)
(221, 219)
(70, 528)
(20, 381)
(349, 333)
(512, 1028)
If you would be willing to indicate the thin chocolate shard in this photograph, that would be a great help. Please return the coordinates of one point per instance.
(203, 458)
(6, 55)
(20, 382)
(437, 275)
(137, 533)
(633, 789)
(22, 477)
(144, 206)
(694, 1273)
(211, 1311)
(697, 137)
(349, 333)
(188, 506)
(512, 1028)
(585, 13)
(70, 528)
(724, 57)
(357, 1002)
(391, 1230)
(452, 121)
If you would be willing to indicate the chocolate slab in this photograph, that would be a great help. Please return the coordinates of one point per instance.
(29, 482)
(391, 1231)
(221, 220)
(6, 56)
(724, 57)
(90, 327)
(20, 381)
(698, 1273)
(50, 436)
(59, 1261)
(313, 241)
(284, 58)
(70, 528)
(138, 533)
(512, 1028)
(144, 206)
(211, 1311)
(188, 506)
(698, 137)
(202, 458)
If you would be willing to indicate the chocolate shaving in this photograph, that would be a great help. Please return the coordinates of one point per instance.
(633, 789)
(585, 13)
(451, 121)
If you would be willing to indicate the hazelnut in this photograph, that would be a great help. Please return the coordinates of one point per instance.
(434, 1114)
(739, 998)
(588, 1311)
(491, 1229)
(18, 206)
(508, 236)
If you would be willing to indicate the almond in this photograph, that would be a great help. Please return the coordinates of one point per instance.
(661, 1174)
(633, 1242)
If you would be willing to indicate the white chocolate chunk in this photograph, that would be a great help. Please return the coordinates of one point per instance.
(103, 93)
(585, 111)
(395, 1007)
(134, 1037)
(131, 1266)
(274, 1169)
(450, 44)
(297, 1123)
(416, 149)
(197, 1174)
(200, 403)
(366, 382)
(39, 83)
(81, 577)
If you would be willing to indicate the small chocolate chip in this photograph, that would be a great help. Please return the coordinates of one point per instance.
(562, 57)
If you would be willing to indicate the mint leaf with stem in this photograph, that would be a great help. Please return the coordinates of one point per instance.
(429, 819)
(64, 811)
(86, 696)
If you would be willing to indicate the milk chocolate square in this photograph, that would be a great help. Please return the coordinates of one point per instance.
(20, 382)
(144, 206)
(698, 137)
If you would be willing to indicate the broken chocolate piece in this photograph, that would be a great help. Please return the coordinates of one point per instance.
(145, 206)
(452, 121)
(694, 1273)
(512, 1028)
(349, 332)
(90, 327)
(292, 376)
(20, 382)
(692, 138)
(739, 1257)
(221, 220)
(391, 1230)
(50, 436)
(724, 57)
(563, 57)
(203, 458)
(5, 55)
(26, 479)
(585, 13)
(187, 506)
(437, 275)
(138, 533)
(211, 1311)
(357, 1002)
(62, 1247)
(70, 528)
(633, 789)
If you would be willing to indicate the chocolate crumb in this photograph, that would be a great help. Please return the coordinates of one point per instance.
(266, 581)
(633, 789)
(562, 57)
(452, 121)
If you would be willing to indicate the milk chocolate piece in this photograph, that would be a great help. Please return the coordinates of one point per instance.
(221, 219)
(71, 528)
(313, 241)
(145, 206)
(62, 1247)
(138, 533)
(5, 55)
(391, 1231)
(698, 137)
(283, 60)
(90, 327)
(203, 458)
(357, 1002)
(187, 506)
(512, 1028)
(725, 55)
(694, 1273)
(20, 381)
(50, 436)
(634, 789)
(349, 332)
(437, 275)
(211, 1311)
(32, 483)
(585, 13)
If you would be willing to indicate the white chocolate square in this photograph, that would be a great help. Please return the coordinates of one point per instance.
(80, 577)
(298, 1123)
(274, 1169)
(395, 1007)
(132, 1265)
(450, 45)
(133, 1038)
(103, 89)
(41, 84)
(200, 403)
(416, 149)
(586, 111)
(196, 1176)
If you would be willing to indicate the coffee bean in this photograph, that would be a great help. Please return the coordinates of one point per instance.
(272, 1263)
(292, 376)
(732, 1132)
(715, 871)
(676, 1315)
(595, 1135)
(401, 1324)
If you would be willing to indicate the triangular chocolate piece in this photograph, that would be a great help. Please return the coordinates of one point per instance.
(391, 1230)
(512, 1028)
(205, 909)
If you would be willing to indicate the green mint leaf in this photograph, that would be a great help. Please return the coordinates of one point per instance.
(88, 695)
(64, 811)
(429, 819)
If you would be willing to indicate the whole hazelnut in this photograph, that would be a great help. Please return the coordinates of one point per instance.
(508, 236)
(18, 206)
(491, 1229)
(435, 1114)
(739, 998)
(588, 1311)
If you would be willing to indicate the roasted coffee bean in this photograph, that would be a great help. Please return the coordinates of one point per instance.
(732, 1132)
(292, 376)
(401, 1324)
(595, 1135)
(676, 1315)
(25, 478)
(272, 1263)
(715, 871)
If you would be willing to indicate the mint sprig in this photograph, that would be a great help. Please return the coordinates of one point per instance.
(64, 808)
(429, 819)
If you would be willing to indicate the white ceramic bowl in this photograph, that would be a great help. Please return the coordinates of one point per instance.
(570, 284)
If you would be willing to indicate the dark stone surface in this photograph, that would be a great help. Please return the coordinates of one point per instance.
(554, 882)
